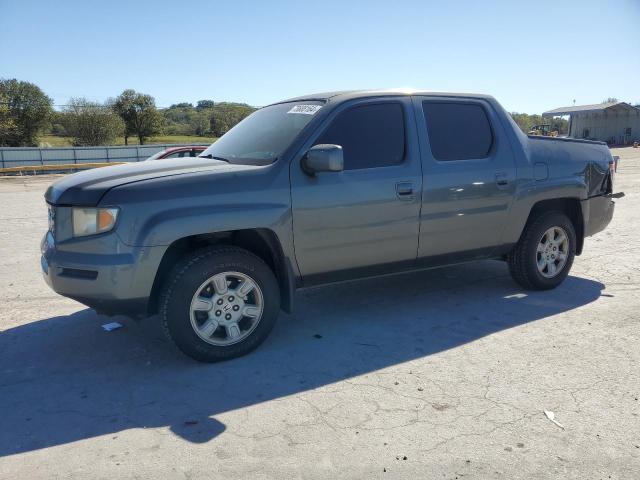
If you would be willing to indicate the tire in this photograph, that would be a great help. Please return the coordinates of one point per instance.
(524, 259)
(200, 332)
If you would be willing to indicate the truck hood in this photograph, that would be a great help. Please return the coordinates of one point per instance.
(88, 187)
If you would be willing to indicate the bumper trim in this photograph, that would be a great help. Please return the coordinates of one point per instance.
(78, 273)
(110, 278)
(615, 195)
(132, 307)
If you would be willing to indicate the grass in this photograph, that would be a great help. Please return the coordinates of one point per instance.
(55, 141)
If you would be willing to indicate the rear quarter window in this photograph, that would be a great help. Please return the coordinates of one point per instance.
(457, 131)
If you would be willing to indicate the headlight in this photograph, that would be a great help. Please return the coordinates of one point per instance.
(89, 221)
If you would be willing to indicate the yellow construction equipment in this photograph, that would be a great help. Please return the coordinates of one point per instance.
(543, 130)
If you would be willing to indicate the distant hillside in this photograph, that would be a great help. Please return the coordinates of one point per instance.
(207, 118)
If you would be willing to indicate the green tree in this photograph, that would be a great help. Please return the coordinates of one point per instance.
(204, 104)
(526, 122)
(139, 113)
(199, 124)
(91, 123)
(179, 119)
(225, 115)
(28, 111)
(183, 119)
(610, 100)
(7, 125)
(182, 105)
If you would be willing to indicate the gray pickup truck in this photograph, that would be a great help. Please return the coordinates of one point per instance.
(315, 190)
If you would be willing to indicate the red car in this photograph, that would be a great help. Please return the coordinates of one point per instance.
(179, 152)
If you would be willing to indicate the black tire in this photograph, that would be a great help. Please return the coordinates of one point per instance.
(188, 275)
(523, 259)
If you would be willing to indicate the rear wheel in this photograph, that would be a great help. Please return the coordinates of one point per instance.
(543, 257)
(219, 303)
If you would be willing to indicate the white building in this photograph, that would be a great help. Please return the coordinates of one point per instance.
(615, 123)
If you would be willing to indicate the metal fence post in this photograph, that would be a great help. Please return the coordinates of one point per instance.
(137, 153)
(2, 157)
(41, 159)
(75, 157)
(107, 149)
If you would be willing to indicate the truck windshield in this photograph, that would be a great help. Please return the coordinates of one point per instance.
(261, 137)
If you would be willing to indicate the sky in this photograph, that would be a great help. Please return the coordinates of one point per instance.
(532, 55)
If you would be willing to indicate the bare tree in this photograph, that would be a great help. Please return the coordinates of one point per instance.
(91, 123)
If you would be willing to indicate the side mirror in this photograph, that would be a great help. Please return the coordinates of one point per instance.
(323, 158)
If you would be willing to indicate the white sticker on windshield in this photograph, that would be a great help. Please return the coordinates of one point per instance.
(305, 109)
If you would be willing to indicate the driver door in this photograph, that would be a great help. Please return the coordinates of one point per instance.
(365, 219)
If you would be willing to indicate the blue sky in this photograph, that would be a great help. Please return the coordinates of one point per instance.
(532, 55)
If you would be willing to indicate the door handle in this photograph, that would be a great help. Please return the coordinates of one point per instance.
(404, 190)
(501, 179)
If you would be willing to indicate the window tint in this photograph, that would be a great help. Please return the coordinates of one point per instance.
(457, 131)
(370, 135)
(175, 155)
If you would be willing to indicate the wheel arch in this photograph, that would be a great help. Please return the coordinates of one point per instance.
(570, 206)
(262, 242)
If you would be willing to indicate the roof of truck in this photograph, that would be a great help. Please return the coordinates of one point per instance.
(342, 95)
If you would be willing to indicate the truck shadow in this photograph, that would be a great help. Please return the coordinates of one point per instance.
(63, 379)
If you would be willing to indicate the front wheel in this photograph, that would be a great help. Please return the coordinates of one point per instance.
(543, 257)
(219, 303)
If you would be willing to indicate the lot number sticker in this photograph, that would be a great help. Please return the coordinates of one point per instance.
(305, 109)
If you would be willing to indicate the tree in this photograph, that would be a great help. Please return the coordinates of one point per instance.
(91, 123)
(526, 122)
(216, 119)
(7, 125)
(182, 105)
(224, 116)
(179, 119)
(610, 100)
(139, 113)
(28, 111)
(199, 124)
(204, 104)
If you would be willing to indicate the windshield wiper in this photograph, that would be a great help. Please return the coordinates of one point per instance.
(213, 157)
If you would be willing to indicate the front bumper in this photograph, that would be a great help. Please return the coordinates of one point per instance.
(112, 283)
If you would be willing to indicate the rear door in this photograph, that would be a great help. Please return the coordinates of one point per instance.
(363, 220)
(469, 178)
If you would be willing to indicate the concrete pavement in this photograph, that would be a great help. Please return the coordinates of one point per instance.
(441, 374)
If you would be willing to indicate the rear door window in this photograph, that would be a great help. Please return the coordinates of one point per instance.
(457, 131)
(370, 135)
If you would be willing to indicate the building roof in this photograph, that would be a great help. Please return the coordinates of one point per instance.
(598, 107)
